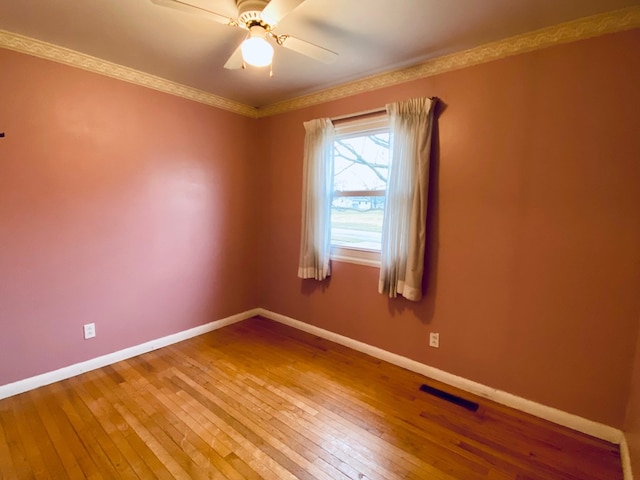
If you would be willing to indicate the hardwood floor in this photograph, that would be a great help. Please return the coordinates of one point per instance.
(260, 400)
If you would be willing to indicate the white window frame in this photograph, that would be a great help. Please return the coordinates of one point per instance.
(377, 123)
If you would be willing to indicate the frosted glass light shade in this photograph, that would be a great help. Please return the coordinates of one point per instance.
(257, 51)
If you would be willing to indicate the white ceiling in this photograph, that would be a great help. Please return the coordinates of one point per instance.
(370, 36)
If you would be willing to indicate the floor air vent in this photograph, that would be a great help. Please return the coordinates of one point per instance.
(462, 402)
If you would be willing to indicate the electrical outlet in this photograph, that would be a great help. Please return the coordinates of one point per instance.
(434, 340)
(89, 330)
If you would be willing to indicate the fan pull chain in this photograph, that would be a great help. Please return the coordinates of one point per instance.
(271, 70)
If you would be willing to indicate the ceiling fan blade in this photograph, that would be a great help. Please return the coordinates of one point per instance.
(193, 9)
(235, 60)
(276, 10)
(309, 49)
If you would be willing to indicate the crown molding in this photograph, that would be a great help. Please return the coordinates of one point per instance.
(48, 51)
(580, 29)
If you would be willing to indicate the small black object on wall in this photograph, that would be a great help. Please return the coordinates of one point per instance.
(1, 134)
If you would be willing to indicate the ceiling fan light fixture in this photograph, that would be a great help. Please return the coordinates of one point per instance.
(256, 50)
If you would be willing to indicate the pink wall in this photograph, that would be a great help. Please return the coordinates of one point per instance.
(149, 214)
(119, 205)
(536, 266)
(632, 423)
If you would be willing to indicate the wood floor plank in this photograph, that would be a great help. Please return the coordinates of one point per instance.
(156, 431)
(261, 401)
(53, 436)
(182, 435)
(197, 436)
(75, 411)
(112, 458)
(109, 419)
(69, 445)
(233, 444)
(219, 442)
(230, 389)
(39, 451)
(6, 464)
(282, 406)
(253, 421)
(107, 383)
(355, 422)
(17, 451)
(276, 460)
(256, 458)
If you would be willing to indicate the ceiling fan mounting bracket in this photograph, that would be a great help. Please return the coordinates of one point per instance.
(249, 11)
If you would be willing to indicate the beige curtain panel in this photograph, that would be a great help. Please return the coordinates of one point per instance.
(404, 225)
(317, 191)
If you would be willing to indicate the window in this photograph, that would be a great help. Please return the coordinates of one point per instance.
(363, 153)
(361, 166)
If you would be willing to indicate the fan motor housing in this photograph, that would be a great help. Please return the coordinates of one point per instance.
(250, 10)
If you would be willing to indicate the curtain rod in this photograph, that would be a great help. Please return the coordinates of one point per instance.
(364, 113)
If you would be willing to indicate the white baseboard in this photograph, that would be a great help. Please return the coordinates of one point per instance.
(72, 370)
(625, 457)
(551, 414)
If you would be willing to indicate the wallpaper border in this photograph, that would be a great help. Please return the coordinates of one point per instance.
(579, 29)
(48, 51)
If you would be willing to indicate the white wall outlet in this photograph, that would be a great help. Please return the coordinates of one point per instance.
(434, 340)
(89, 330)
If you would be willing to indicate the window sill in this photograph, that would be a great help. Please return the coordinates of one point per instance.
(368, 258)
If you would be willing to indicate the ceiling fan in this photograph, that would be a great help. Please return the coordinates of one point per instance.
(259, 18)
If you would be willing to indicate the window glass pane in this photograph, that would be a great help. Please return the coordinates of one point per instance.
(356, 222)
(361, 162)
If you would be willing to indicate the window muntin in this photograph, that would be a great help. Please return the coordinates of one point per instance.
(361, 166)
